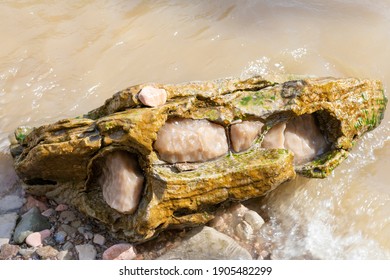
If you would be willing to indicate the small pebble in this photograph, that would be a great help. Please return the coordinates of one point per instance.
(64, 255)
(152, 97)
(99, 239)
(76, 223)
(61, 207)
(32, 202)
(8, 251)
(68, 229)
(88, 235)
(81, 230)
(121, 251)
(67, 246)
(35, 239)
(67, 216)
(49, 212)
(27, 253)
(60, 237)
(86, 252)
(47, 252)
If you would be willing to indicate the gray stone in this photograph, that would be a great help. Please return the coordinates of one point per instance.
(10, 203)
(99, 239)
(67, 216)
(31, 221)
(8, 251)
(65, 255)
(86, 252)
(27, 253)
(88, 235)
(207, 244)
(81, 230)
(49, 212)
(68, 229)
(7, 225)
(76, 223)
(60, 237)
(67, 246)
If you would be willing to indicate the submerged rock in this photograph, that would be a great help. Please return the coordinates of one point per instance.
(225, 161)
(207, 244)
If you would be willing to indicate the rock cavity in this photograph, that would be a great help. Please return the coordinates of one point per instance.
(188, 140)
(301, 135)
(122, 181)
(242, 135)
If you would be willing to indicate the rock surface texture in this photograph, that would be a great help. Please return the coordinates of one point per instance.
(66, 160)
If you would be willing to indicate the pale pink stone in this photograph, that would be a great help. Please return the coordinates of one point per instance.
(61, 207)
(35, 239)
(32, 202)
(152, 97)
(188, 140)
(49, 212)
(244, 134)
(99, 239)
(122, 182)
(121, 251)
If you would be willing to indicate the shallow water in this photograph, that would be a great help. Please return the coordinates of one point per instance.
(62, 59)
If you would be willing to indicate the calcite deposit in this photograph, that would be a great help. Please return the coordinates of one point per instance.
(162, 156)
(242, 135)
(187, 140)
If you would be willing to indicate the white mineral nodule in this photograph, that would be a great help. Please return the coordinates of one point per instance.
(188, 140)
(301, 135)
(242, 135)
(122, 182)
(152, 97)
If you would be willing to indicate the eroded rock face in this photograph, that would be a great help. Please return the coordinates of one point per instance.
(187, 140)
(122, 182)
(242, 135)
(189, 153)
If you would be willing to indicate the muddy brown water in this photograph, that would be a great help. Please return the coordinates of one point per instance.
(61, 59)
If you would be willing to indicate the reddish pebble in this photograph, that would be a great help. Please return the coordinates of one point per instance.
(32, 202)
(122, 251)
(35, 239)
(61, 207)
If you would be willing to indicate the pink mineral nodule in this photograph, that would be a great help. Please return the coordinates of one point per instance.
(188, 140)
(301, 135)
(242, 135)
(122, 181)
(152, 97)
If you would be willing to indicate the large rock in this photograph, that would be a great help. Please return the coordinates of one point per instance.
(7, 225)
(207, 244)
(10, 203)
(66, 160)
(32, 221)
